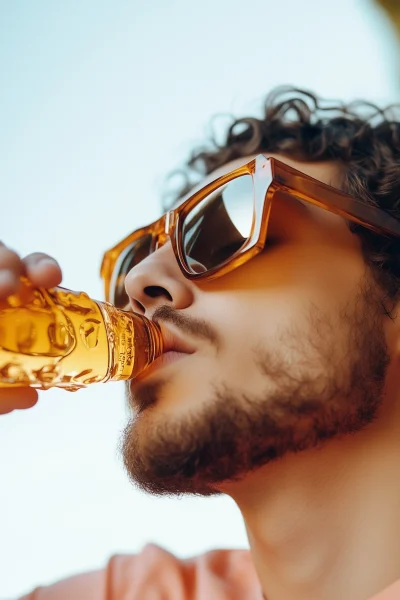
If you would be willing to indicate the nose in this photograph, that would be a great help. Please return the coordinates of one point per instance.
(157, 280)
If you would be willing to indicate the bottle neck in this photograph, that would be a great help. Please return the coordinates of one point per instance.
(134, 342)
(156, 342)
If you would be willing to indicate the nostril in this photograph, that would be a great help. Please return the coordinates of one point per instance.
(155, 291)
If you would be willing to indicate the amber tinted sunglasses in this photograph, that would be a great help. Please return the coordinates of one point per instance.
(225, 223)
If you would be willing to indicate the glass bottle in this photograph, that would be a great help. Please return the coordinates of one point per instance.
(60, 338)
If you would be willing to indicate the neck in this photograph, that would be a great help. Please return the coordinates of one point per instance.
(324, 524)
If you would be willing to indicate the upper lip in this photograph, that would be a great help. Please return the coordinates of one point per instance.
(173, 342)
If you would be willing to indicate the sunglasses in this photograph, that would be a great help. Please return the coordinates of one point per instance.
(225, 223)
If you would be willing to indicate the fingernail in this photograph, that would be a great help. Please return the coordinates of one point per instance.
(45, 262)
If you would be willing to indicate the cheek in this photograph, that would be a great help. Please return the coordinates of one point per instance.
(274, 293)
(262, 305)
(318, 272)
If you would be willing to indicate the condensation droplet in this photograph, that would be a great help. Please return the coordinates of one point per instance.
(82, 374)
(60, 336)
(13, 372)
(89, 331)
(25, 335)
(47, 374)
(76, 302)
(95, 379)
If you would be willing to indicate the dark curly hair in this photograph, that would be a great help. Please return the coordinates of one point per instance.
(363, 138)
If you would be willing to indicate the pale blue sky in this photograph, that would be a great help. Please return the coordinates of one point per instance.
(99, 101)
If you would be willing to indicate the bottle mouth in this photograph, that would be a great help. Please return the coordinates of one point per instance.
(156, 345)
(134, 342)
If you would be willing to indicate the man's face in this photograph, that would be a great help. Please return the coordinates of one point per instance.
(287, 351)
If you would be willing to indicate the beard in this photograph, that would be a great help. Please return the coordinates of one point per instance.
(324, 378)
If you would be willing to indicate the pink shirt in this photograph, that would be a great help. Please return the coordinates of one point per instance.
(155, 574)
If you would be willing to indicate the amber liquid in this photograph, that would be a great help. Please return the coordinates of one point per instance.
(60, 338)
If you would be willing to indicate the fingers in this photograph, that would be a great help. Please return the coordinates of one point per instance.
(11, 268)
(40, 268)
(17, 398)
(43, 271)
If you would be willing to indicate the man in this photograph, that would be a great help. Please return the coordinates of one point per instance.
(278, 295)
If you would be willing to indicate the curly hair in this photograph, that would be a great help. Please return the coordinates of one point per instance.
(362, 137)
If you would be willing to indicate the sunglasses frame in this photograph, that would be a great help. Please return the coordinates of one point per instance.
(269, 176)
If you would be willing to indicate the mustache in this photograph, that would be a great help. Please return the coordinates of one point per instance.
(191, 325)
(146, 395)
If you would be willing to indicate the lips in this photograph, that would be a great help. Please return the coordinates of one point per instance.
(175, 348)
(174, 343)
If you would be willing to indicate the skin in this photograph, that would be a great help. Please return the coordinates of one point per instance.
(43, 271)
(322, 506)
(290, 326)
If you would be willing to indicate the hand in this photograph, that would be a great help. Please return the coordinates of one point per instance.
(43, 271)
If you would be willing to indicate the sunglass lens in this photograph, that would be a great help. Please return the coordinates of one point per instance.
(129, 258)
(219, 226)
